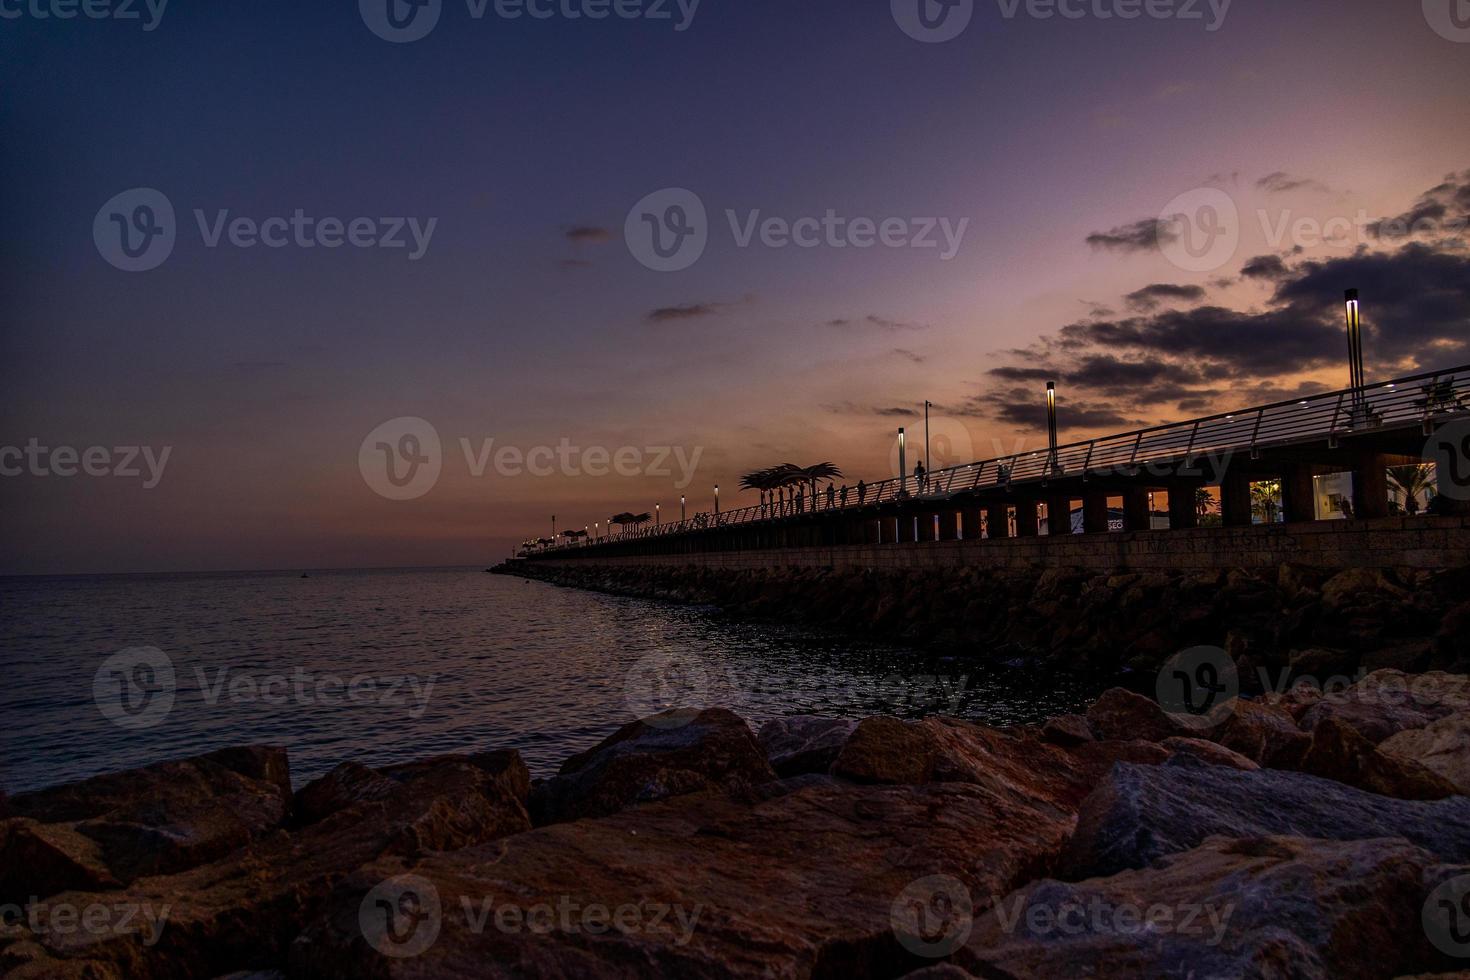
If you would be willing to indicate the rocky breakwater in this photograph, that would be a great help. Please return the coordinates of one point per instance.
(1298, 620)
(1299, 835)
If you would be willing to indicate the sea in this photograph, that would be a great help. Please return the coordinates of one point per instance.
(102, 673)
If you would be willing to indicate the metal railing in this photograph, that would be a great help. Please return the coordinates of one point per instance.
(1413, 400)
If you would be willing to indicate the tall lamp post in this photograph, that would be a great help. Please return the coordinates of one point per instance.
(717, 500)
(1355, 352)
(928, 453)
(1051, 423)
(903, 464)
(658, 515)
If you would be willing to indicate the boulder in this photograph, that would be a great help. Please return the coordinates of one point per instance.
(1343, 587)
(887, 750)
(1442, 746)
(1139, 814)
(666, 755)
(803, 881)
(1251, 907)
(1387, 702)
(241, 912)
(155, 820)
(1261, 731)
(804, 743)
(1337, 751)
(1119, 714)
(1211, 752)
(1067, 730)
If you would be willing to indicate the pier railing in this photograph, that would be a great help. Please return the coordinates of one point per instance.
(1415, 400)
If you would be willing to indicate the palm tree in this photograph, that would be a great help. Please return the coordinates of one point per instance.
(1412, 481)
(819, 471)
(1204, 502)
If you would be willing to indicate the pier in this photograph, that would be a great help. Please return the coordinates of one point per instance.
(1115, 480)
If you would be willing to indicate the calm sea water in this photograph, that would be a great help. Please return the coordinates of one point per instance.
(112, 672)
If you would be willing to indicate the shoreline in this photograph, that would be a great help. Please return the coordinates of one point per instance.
(691, 817)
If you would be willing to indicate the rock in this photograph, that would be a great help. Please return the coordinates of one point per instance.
(240, 912)
(667, 755)
(887, 750)
(1122, 715)
(1337, 751)
(1254, 907)
(1442, 746)
(1262, 732)
(339, 789)
(1387, 702)
(1296, 581)
(804, 743)
(1067, 730)
(1211, 752)
(1141, 813)
(155, 820)
(1349, 583)
(803, 882)
(1319, 662)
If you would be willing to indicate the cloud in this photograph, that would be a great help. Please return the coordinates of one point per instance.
(877, 322)
(588, 235)
(691, 311)
(1443, 209)
(1282, 182)
(1268, 267)
(1140, 236)
(908, 355)
(851, 408)
(1025, 409)
(1154, 296)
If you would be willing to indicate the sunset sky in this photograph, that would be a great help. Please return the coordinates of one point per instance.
(1058, 143)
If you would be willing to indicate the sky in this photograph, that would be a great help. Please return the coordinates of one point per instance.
(254, 252)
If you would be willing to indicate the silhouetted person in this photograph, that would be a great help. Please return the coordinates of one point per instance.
(842, 495)
(862, 492)
(831, 496)
(919, 475)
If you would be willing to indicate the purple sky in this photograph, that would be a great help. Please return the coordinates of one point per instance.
(1055, 145)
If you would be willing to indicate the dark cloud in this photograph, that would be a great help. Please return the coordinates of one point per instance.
(1025, 408)
(873, 321)
(1023, 374)
(1154, 296)
(1268, 267)
(1441, 211)
(588, 235)
(1141, 236)
(909, 355)
(851, 408)
(691, 311)
(1282, 182)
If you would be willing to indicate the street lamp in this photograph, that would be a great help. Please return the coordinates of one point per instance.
(717, 498)
(903, 464)
(597, 530)
(658, 515)
(928, 453)
(1355, 350)
(1051, 421)
(681, 509)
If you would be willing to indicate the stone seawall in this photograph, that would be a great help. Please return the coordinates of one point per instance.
(1273, 619)
(1394, 542)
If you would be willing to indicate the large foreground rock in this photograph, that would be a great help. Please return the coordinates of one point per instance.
(670, 754)
(1255, 907)
(240, 912)
(111, 829)
(799, 884)
(1387, 702)
(1141, 813)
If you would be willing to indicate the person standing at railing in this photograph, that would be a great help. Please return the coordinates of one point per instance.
(862, 492)
(831, 496)
(919, 476)
(842, 495)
